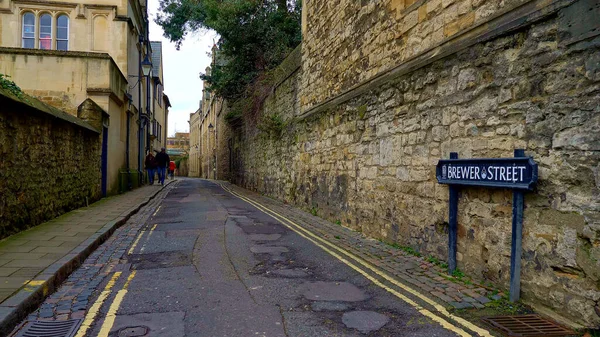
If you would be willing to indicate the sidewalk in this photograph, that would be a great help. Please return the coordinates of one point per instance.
(33, 263)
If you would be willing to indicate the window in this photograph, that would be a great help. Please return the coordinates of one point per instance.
(62, 33)
(45, 31)
(28, 30)
(160, 93)
(50, 34)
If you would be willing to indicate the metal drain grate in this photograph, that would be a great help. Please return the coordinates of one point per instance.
(49, 328)
(527, 326)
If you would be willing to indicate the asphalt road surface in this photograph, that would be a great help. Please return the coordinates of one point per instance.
(205, 262)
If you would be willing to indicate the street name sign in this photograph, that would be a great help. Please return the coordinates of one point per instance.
(519, 174)
(513, 173)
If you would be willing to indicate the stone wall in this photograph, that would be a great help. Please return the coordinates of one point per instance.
(49, 163)
(391, 32)
(369, 160)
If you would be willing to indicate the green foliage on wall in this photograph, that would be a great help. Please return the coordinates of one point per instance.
(10, 86)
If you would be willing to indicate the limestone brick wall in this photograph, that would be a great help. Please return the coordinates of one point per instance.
(346, 42)
(369, 161)
(49, 164)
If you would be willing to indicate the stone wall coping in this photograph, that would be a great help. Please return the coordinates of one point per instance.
(43, 52)
(291, 63)
(32, 103)
(62, 53)
(499, 24)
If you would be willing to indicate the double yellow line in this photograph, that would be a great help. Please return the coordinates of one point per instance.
(111, 315)
(441, 315)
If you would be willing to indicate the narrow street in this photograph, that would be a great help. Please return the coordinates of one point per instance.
(202, 260)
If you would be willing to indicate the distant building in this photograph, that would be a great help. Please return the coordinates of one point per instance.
(205, 128)
(160, 103)
(195, 161)
(179, 145)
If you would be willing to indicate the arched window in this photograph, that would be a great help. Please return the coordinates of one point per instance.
(28, 37)
(45, 31)
(62, 32)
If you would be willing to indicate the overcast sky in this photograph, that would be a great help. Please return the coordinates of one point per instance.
(181, 71)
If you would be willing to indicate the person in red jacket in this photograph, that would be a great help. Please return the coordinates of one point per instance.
(172, 169)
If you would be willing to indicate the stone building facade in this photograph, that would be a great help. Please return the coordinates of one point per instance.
(194, 162)
(210, 135)
(66, 52)
(363, 128)
(160, 101)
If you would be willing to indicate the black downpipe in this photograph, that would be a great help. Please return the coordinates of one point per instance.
(127, 151)
(148, 112)
(141, 128)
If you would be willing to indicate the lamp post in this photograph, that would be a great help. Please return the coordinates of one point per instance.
(145, 67)
(211, 128)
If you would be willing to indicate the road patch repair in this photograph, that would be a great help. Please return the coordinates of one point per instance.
(407, 277)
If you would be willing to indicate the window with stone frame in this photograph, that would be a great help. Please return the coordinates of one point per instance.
(62, 32)
(28, 34)
(45, 33)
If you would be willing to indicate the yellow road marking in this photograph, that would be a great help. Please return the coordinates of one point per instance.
(295, 227)
(91, 315)
(135, 243)
(158, 209)
(148, 238)
(109, 321)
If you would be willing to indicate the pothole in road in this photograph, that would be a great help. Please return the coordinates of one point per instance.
(160, 260)
(333, 291)
(134, 331)
(281, 269)
(364, 321)
(275, 252)
(291, 273)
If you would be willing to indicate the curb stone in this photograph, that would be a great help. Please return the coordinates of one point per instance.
(16, 308)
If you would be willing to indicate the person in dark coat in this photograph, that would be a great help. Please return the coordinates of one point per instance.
(162, 162)
(150, 167)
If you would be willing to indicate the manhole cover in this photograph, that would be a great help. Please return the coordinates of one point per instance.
(527, 326)
(133, 331)
(49, 328)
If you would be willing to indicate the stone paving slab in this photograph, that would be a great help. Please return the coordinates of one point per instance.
(33, 263)
(411, 270)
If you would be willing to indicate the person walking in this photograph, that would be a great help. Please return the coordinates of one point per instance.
(150, 167)
(172, 169)
(162, 162)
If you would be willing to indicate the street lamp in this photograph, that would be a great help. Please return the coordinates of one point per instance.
(146, 66)
(211, 128)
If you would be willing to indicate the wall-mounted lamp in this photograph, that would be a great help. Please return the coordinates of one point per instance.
(146, 66)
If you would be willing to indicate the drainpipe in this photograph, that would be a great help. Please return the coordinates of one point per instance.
(148, 112)
(140, 111)
(127, 151)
